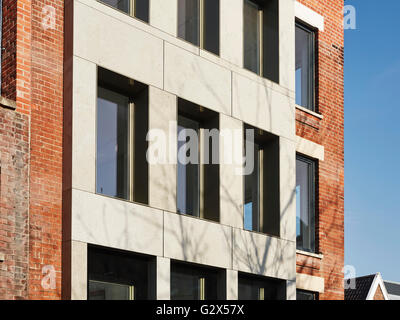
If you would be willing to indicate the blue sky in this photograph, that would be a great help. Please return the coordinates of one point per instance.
(372, 139)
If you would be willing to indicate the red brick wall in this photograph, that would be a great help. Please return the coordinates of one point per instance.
(308, 265)
(46, 148)
(14, 188)
(379, 294)
(329, 132)
(33, 76)
(14, 174)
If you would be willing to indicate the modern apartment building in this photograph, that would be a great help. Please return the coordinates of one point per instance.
(85, 215)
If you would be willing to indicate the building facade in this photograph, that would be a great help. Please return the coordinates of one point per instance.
(86, 215)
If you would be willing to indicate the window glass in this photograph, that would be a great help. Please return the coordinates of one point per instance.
(112, 169)
(139, 8)
(198, 184)
(193, 283)
(304, 67)
(261, 288)
(119, 275)
(305, 220)
(122, 125)
(252, 194)
(109, 291)
(305, 295)
(142, 10)
(188, 173)
(185, 286)
(252, 36)
(211, 26)
(123, 5)
(261, 185)
(188, 20)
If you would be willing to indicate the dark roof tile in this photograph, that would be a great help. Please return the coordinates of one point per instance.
(363, 284)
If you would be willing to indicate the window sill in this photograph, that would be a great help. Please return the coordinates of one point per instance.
(315, 114)
(314, 255)
(7, 103)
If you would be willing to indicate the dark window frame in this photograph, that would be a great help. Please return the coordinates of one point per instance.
(132, 12)
(208, 188)
(201, 28)
(261, 282)
(142, 259)
(268, 211)
(307, 293)
(256, 5)
(269, 41)
(312, 81)
(121, 85)
(201, 272)
(197, 188)
(312, 198)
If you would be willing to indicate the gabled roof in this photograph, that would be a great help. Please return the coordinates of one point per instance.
(365, 288)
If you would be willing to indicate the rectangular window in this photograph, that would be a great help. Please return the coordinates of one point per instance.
(261, 37)
(305, 66)
(261, 190)
(142, 10)
(136, 8)
(112, 144)
(210, 26)
(101, 290)
(252, 36)
(119, 275)
(188, 174)
(189, 282)
(122, 125)
(253, 287)
(198, 23)
(198, 163)
(252, 194)
(305, 295)
(305, 204)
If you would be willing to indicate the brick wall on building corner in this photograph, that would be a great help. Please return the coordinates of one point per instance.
(14, 189)
(328, 132)
(46, 111)
(14, 171)
(32, 76)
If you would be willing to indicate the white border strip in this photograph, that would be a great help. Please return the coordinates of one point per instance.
(310, 283)
(309, 16)
(310, 149)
